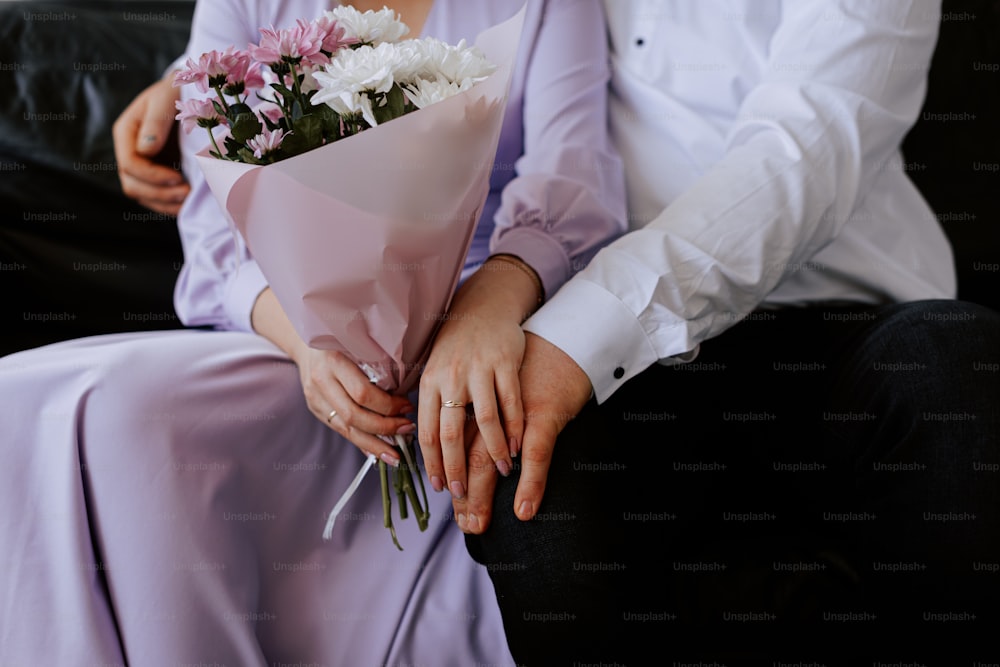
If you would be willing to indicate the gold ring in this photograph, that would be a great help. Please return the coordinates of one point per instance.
(329, 417)
(452, 404)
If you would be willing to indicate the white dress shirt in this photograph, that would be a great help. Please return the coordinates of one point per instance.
(761, 142)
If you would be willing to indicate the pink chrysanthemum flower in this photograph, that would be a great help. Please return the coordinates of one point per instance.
(266, 142)
(208, 72)
(198, 113)
(242, 72)
(333, 35)
(232, 71)
(303, 40)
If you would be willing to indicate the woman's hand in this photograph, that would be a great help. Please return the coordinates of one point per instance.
(337, 392)
(343, 397)
(140, 133)
(474, 363)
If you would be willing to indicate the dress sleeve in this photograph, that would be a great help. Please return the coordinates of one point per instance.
(219, 281)
(806, 148)
(568, 197)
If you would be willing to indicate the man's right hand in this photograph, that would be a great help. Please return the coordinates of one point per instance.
(553, 389)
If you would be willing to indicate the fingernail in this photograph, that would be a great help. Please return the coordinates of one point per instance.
(457, 490)
(515, 447)
(437, 484)
(524, 510)
(389, 459)
(407, 429)
(473, 523)
(148, 138)
(461, 521)
(503, 467)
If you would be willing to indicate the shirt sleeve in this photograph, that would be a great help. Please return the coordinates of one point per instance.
(568, 198)
(844, 83)
(219, 281)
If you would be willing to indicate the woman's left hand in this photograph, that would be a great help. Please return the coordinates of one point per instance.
(472, 372)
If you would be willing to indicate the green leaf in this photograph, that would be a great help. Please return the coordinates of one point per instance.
(245, 126)
(232, 147)
(286, 95)
(246, 155)
(396, 99)
(307, 133)
(329, 122)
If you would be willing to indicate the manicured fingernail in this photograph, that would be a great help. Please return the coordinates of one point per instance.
(515, 447)
(457, 490)
(473, 523)
(524, 510)
(437, 484)
(389, 459)
(461, 521)
(407, 429)
(503, 467)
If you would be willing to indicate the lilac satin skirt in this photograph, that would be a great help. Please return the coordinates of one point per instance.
(163, 502)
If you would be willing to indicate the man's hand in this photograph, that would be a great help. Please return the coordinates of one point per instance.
(553, 389)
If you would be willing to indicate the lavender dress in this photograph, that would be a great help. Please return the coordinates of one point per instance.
(164, 493)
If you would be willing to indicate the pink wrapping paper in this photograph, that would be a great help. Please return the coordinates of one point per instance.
(363, 240)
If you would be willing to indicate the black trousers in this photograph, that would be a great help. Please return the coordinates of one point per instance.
(826, 472)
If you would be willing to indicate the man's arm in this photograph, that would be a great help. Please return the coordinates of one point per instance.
(844, 83)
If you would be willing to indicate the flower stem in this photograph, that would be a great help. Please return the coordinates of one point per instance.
(383, 473)
(218, 153)
(222, 98)
(408, 469)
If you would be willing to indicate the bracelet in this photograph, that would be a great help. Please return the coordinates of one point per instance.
(514, 260)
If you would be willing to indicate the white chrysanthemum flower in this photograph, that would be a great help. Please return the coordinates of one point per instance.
(348, 104)
(425, 92)
(456, 62)
(410, 62)
(351, 76)
(370, 26)
(364, 68)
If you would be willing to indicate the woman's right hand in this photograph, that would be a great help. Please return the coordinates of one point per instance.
(337, 392)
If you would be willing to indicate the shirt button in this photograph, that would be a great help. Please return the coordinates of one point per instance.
(619, 373)
(639, 41)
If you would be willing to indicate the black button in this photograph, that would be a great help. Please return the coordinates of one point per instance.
(619, 373)
(639, 41)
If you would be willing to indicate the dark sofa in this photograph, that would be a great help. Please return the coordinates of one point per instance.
(79, 258)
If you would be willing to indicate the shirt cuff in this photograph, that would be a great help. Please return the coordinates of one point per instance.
(244, 287)
(539, 251)
(598, 332)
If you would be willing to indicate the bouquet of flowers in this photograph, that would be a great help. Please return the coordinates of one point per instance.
(356, 176)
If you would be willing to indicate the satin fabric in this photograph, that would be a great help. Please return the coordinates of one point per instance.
(165, 496)
(165, 493)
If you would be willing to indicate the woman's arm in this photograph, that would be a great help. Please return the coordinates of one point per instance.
(220, 284)
(140, 133)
